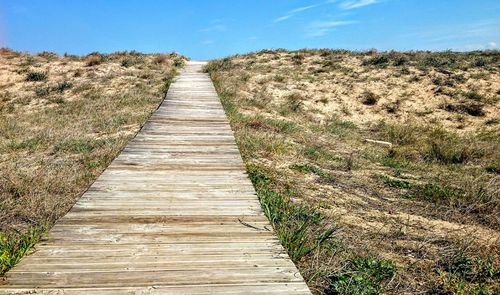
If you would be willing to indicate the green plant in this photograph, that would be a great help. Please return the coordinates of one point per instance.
(14, 246)
(378, 60)
(396, 183)
(362, 276)
(434, 192)
(464, 274)
(36, 76)
(299, 228)
(79, 145)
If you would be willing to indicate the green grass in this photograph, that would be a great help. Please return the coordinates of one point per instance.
(396, 183)
(79, 145)
(463, 274)
(300, 229)
(427, 191)
(308, 168)
(362, 276)
(14, 246)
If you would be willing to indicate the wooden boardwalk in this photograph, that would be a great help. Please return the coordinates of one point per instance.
(174, 213)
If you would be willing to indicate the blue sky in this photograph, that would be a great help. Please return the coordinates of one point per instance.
(204, 29)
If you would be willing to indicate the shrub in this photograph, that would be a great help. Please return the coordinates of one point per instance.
(36, 76)
(471, 108)
(378, 60)
(61, 86)
(42, 91)
(95, 59)
(369, 98)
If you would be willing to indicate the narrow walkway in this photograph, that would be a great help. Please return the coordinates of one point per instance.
(175, 213)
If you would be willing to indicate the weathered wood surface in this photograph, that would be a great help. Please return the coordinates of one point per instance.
(175, 213)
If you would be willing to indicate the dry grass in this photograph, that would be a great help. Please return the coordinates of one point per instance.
(428, 206)
(62, 120)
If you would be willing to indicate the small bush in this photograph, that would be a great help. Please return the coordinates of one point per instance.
(471, 108)
(36, 76)
(474, 95)
(127, 62)
(42, 91)
(378, 60)
(479, 62)
(224, 64)
(61, 86)
(160, 59)
(294, 102)
(95, 59)
(178, 62)
(369, 98)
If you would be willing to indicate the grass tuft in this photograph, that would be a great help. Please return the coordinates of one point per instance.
(14, 246)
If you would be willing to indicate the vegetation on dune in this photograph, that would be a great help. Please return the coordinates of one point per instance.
(62, 121)
(390, 218)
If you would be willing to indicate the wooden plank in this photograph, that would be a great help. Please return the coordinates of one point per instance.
(174, 213)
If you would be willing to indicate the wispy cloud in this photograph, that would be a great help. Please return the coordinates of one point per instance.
(321, 28)
(293, 12)
(352, 4)
(216, 26)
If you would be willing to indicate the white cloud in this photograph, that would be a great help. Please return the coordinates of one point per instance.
(282, 18)
(321, 28)
(351, 4)
(293, 12)
(492, 45)
(303, 8)
(214, 28)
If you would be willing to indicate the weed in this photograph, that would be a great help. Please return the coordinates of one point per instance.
(434, 192)
(14, 246)
(363, 275)
(396, 183)
(79, 145)
(36, 76)
(463, 274)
